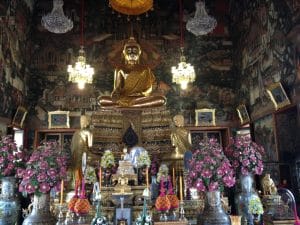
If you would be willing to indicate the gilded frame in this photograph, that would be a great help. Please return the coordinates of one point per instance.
(58, 119)
(19, 116)
(243, 114)
(205, 117)
(278, 95)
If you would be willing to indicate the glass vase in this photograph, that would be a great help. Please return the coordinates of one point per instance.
(213, 213)
(243, 197)
(9, 203)
(40, 214)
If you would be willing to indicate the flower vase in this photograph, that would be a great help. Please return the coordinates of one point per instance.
(256, 219)
(9, 203)
(243, 197)
(213, 213)
(40, 214)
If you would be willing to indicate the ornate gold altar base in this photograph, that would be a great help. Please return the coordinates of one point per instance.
(269, 221)
(172, 223)
(152, 125)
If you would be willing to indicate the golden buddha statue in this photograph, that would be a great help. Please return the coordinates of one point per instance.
(122, 186)
(133, 84)
(82, 140)
(180, 137)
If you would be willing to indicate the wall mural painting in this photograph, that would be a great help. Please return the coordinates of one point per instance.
(13, 67)
(266, 55)
(287, 134)
(264, 135)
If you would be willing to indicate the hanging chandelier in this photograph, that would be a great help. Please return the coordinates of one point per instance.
(56, 21)
(201, 23)
(184, 73)
(82, 73)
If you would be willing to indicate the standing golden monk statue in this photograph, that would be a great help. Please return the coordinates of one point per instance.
(82, 140)
(180, 137)
(133, 83)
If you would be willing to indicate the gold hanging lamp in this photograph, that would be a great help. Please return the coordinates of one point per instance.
(131, 7)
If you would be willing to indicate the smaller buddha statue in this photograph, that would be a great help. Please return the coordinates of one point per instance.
(122, 186)
(133, 84)
(125, 165)
(180, 137)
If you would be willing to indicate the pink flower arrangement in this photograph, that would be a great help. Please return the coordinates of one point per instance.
(245, 155)
(45, 169)
(10, 158)
(210, 170)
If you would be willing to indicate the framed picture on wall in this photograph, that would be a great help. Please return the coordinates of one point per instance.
(205, 117)
(19, 116)
(243, 114)
(278, 95)
(58, 119)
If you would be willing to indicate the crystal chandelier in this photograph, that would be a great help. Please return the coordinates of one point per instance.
(56, 21)
(184, 73)
(82, 72)
(202, 23)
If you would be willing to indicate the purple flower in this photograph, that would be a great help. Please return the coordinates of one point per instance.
(29, 188)
(206, 173)
(214, 186)
(44, 187)
(229, 181)
(41, 177)
(200, 186)
(44, 165)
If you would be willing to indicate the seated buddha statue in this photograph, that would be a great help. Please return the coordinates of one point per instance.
(133, 83)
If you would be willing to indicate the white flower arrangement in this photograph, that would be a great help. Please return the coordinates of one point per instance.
(143, 159)
(255, 206)
(107, 160)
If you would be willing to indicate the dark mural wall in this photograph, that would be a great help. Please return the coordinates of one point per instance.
(14, 43)
(264, 54)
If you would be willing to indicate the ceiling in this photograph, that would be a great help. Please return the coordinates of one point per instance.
(165, 13)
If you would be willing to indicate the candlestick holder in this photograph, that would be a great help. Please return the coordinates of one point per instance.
(99, 219)
(70, 218)
(181, 211)
(60, 217)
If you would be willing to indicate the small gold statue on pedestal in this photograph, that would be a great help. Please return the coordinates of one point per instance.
(122, 186)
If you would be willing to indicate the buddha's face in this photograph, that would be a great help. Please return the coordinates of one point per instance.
(132, 54)
(83, 121)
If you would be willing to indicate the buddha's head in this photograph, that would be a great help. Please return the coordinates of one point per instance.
(84, 121)
(132, 51)
(178, 120)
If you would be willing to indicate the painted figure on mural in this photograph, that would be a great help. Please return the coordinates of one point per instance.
(133, 84)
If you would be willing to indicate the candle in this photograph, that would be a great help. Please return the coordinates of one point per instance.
(100, 178)
(61, 191)
(174, 182)
(180, 186)
(147, 178)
